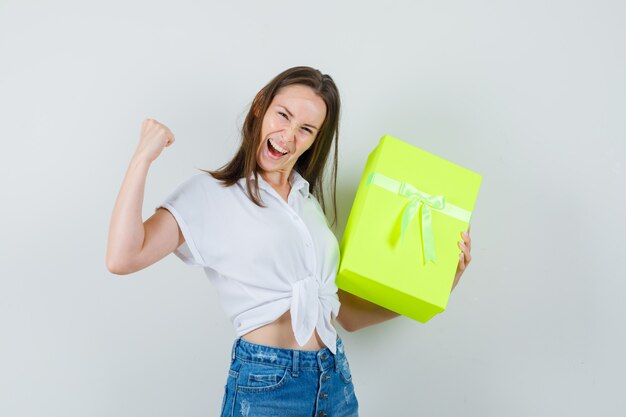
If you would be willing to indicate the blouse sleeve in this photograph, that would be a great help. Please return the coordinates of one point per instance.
(188, 204)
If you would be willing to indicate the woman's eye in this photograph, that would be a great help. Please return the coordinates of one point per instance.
(282, 114)
(307, 129)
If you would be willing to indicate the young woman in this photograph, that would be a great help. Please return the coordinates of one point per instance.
(258, 228)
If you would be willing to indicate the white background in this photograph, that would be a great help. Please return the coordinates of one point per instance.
(530, 94)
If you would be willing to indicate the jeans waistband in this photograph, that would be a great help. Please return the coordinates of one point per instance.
(321, 359)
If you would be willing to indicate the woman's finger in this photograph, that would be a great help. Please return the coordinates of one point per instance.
(465, 253)
(467, 239)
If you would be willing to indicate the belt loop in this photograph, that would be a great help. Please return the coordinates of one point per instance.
(294, 364)
(337, 356)
(232, 356)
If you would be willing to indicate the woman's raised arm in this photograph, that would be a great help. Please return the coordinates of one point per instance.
(133, 245)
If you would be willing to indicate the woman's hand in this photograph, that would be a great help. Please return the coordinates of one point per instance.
(154, 138)
(464, 257)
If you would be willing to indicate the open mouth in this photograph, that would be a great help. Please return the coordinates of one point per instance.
(275, 149)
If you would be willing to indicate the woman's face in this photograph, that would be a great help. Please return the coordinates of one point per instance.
(289, 128)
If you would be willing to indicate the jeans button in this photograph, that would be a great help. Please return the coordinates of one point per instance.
(323, 395)
(325, 378)
(322, 414)
(324, 356)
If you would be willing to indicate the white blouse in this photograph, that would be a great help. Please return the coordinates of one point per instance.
(262, 261)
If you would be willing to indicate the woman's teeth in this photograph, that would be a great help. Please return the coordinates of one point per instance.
(277, 147)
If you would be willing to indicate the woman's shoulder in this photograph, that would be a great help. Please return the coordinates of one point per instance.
(206, 180)
(202, 184)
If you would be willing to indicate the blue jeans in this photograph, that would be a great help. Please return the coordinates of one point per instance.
(269, 381)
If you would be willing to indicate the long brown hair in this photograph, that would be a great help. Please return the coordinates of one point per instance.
(312, 163)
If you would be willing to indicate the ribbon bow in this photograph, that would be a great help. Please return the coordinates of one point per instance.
(419, 200)
(425, 202)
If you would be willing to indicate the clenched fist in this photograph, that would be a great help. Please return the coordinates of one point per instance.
(154, 137)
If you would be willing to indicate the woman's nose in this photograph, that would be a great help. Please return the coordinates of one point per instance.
(290, 133)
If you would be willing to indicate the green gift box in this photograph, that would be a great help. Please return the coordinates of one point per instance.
(400, 246)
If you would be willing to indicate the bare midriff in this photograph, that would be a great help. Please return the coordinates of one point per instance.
(280, 334)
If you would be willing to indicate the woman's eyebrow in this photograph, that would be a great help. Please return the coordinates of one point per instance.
(291, 115)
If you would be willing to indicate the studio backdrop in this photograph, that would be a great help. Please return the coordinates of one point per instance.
(529, 94)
